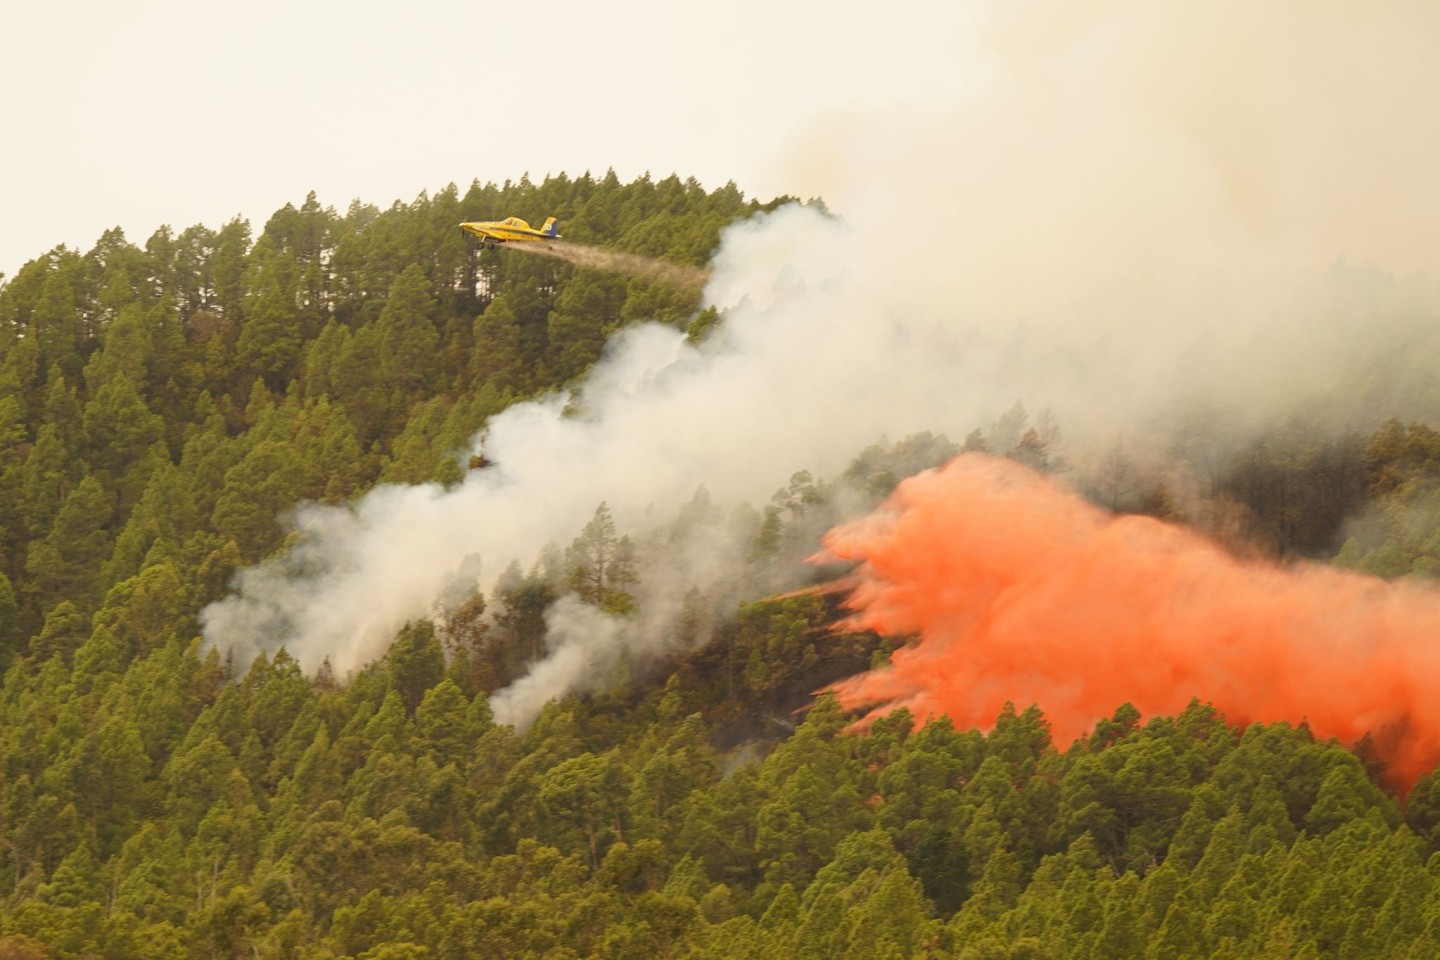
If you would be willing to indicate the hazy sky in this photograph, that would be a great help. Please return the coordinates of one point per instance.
(151, 112)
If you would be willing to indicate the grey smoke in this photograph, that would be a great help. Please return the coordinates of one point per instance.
(583, 645)
(1136, 212)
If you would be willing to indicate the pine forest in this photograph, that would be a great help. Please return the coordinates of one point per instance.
(165, 406)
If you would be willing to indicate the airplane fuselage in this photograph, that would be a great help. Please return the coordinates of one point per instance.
(509, 230)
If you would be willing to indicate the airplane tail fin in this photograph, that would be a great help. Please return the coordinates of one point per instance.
(550, 230)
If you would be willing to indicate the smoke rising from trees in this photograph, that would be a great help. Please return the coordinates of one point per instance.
(1131, 215)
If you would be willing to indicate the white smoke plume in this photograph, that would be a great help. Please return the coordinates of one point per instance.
(582, 646)
(1134, 210)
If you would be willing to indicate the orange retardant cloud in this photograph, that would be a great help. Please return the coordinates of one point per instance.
(1020, 590)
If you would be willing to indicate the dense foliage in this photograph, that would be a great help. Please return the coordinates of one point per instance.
(159, 407)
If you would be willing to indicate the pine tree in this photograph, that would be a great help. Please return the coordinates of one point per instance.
(407, 335)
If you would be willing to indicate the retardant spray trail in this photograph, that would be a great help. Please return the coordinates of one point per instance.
(614, 261)
(1019, 590)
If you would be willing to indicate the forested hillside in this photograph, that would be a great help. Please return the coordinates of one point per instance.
(168, 402)
(162, 407)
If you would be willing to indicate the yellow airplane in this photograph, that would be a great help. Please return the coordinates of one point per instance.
(491, 232)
